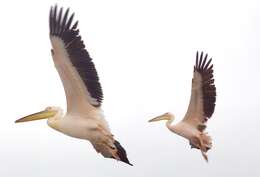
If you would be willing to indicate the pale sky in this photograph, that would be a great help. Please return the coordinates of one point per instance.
(144, 52)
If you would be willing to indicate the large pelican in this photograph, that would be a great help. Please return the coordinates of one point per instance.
(201, 107)
(84, 118)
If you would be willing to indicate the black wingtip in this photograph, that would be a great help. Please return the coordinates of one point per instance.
(122, 153)
(59, 20)
(201, 61)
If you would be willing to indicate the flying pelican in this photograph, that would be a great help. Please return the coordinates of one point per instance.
(84, 118)
(201, 107)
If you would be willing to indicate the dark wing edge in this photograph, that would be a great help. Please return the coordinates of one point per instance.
(122, 153)
(61, 26)
(205, 68)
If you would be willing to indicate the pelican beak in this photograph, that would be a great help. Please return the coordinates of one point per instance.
(37, 116)
(162, 117)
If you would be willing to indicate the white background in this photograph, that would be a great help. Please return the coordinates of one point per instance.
(144, 52)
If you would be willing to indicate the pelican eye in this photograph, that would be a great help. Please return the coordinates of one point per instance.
(48, 108)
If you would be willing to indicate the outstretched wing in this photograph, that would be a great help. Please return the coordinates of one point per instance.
(203, 93)
(73, 63)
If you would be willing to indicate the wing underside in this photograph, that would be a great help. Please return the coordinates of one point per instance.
(203, 94)
(75, 66)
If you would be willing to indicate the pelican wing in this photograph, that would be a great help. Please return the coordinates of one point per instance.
(203, 93)
(73, 63)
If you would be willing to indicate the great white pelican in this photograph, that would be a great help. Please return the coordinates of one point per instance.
(84, 118)
(201, 107)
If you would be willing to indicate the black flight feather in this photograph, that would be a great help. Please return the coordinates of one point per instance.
(121, 153)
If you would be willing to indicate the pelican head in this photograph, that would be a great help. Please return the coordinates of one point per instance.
(53, 114)
(167, 116)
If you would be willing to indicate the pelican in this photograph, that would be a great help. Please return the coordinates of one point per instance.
(201, 107)
(84, 118)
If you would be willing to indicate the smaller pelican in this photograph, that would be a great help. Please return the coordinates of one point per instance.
(201, 108)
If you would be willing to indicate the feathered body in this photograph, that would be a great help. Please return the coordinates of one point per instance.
(88, 127)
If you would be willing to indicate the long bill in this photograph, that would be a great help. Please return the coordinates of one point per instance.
(161, 117)
(37, 116)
